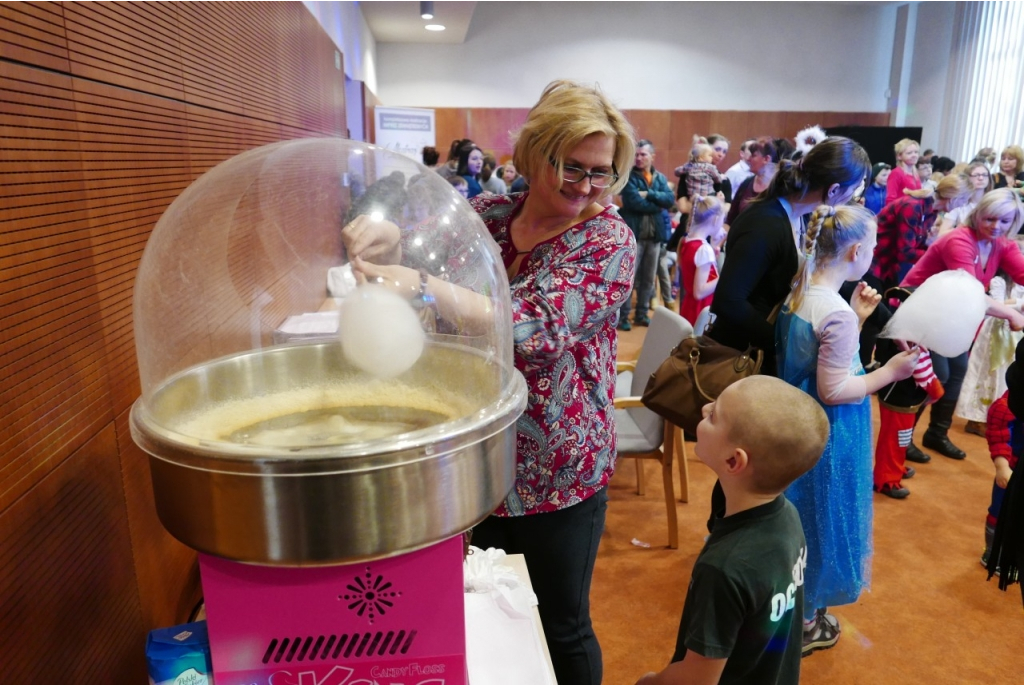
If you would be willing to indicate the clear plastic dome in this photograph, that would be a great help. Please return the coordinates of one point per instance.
(250, 259)
(296, 415)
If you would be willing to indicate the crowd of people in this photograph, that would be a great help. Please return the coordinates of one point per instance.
(802, 250)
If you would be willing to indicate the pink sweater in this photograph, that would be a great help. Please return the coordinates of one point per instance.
(898, 180)
(958, 249)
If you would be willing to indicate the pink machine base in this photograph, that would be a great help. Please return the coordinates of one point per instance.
(398, 621)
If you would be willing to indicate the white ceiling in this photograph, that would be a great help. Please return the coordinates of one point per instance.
(400, 22)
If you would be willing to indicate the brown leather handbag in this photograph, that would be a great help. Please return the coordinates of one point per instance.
(694, 374)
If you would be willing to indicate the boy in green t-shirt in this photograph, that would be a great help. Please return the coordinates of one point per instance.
(741, 620)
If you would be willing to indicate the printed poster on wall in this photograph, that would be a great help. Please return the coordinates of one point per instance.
(404, 129)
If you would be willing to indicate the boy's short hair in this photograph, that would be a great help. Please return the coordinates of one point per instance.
(782, 429)
(458, 181)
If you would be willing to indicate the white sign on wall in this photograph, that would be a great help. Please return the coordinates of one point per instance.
(404, 129)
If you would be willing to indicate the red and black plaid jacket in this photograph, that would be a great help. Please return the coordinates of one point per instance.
(903, 228)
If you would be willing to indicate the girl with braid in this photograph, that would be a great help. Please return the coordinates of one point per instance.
(817, 351)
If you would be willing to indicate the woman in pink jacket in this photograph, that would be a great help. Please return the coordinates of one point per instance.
(981, 248)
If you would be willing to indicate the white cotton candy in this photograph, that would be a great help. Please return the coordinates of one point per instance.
(380, 331)
(943, 314)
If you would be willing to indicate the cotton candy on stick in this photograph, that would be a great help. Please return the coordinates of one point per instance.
(380, 332)
(942, 315)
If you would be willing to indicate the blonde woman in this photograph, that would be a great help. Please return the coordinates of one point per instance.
(1011, 168)
(981, 182)
(981, 248)
(570, 263)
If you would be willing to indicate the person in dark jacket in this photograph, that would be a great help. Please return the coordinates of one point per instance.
(646, 194)
(762, 257)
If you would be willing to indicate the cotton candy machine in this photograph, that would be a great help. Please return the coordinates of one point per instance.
(326, 499)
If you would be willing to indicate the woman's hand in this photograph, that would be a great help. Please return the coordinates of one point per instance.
(864, 300)
(902, 365)
(376, 241)
(399, 279)
(1016, 320)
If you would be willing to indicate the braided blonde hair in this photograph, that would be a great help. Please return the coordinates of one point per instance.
(830, 231)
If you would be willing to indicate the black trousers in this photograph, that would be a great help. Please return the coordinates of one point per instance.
(560, 548)
(950, 372)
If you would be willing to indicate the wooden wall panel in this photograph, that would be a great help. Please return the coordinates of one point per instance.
(125, 43)
(671, 131)
(167, 571)
(33, 32)
(135, 146)
(67, 589)
(56, 393)
(108, 112)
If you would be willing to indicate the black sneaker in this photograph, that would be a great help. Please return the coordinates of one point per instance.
(624, 326)
(641, 321)
(909, 472)
(822, 633)
(896, 491)
(915, 455)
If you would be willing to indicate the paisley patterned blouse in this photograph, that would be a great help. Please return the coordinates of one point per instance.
(565, 302)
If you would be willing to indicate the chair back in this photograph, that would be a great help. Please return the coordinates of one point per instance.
(667, 329)
(704, 319)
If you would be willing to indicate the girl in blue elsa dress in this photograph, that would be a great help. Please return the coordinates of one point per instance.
(817, 346)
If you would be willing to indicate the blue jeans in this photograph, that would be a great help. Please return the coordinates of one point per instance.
(648, 254)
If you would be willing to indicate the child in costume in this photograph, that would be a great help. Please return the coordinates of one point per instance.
(1005, 435)
(697, 261)
(817, 348)
(898, 406)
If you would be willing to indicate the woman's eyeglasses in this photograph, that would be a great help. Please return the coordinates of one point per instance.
(598, 179)
(980, 174)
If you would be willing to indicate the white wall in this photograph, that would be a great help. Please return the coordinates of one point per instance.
(933, 45)
(344, 23)
(648, 55)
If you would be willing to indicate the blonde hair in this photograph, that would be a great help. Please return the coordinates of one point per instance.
(1017, 153)
(830, 230)
(705, 208)
(700, 148)
(782, 429)
(950, 187)
(566, 113)
(999, 202)
(903, 145)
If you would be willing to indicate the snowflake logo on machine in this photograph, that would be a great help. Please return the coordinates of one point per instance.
(370, 596)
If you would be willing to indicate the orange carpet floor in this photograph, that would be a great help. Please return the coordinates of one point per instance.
(930, 617)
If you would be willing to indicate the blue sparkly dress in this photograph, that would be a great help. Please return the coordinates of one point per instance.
(834, 498)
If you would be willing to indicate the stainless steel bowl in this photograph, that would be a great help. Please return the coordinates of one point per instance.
(312, 496)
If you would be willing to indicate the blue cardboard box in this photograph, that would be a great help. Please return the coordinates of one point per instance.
(179, 655)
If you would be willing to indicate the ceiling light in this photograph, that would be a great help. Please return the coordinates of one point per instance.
(427, 9)
(434, 27)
